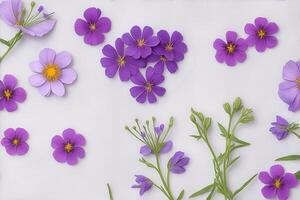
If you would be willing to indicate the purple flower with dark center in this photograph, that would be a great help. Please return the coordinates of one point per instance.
(9, 94)
(261, 34)
(140, 43)
(231, 51)
(178, 162)
(93, 27)
(159, 129)
(52, 71)
(147, 88)
(15, 141)
(289, 90)
(280, 128)
(116, 60)
(143, 183)
(69, 147)
(278, 183)
(146, 150)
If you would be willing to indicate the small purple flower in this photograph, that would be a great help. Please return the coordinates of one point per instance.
(261, 34)
(93, 27)
(15, 141)
(278, 183)
(289, 90)
(280, 128)
(143, 183)
(147, 88)
(9, 94)
(146, 150)
(159, 130)
(69, 147)
(140, 43)
(178, 162)
(52, 71)
(232, 50)
(116, 60)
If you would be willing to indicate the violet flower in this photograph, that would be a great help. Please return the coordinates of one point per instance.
(146, 150)
(147, 88)
(10, 95)
(143, 183)
(93, 27)
(140, 42)
(52, 71)
(178, 162)
(280, 128)
(69, 147)
(15, 141)
(289, 90)
(261, 34)
(159, 129)
(231, 51)
(278, 183)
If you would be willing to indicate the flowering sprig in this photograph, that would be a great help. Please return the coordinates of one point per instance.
(154, 138)
(238, 115)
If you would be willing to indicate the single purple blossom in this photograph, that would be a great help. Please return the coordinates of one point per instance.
(147, 88)
(68, 147)
(146, 150)
(11, 11)
(280, 128)
(261, 34)
(178, 162)
(116, 60)
(10, 94)
(15, 141)
(289, 90)
(143, 183)
(159, 129)
(278, 183)
(93, 27)
(140, 42)
(231, 51)
(52, 71)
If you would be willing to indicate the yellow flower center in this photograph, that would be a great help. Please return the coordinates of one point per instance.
(92, 27)
(277, 183)
(121, 61)
(18, 23)
(169, 47)
(68, 147)
(298, 82)
(52, 72)
(7, 94)
(230, 48)
(149, 87)
(163, 58)
(15, 142)
(140, 42)
(261, 33)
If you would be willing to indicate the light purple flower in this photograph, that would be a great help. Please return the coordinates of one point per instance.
(14, 141)
(143, 183)
(280, 128)
(278, 183)
(147, 88)
(289, 90)
(146, 150)
(159, 129)
(116, 60)
(69, 147)
(178, 162)
(261, 34)
(9, 94)
(93, 27)
(231, 51)
(52, 71)
(11, 12)
(140, 42)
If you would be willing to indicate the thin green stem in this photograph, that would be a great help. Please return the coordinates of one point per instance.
(12, 42)
(5, 42)
(296, 134)
(110, 192)
(155, 185)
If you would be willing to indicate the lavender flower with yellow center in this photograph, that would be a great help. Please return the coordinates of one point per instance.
(15, 141)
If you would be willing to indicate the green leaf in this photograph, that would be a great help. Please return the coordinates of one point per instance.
(198, 137)
(110, 192)
(148, 164)
(297, 174)
(211, 193)
(237, 140)
(288, 158)
(237, 104)
(180, 197)
(203, 191)
(243, 186)
(227, 108)
(233, 161)
(207, 123)
(4, 42)
(223, 130)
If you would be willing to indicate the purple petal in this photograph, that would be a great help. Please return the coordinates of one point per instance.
(81, 27)
(147, 32)
(250, 29)
(109, 51)
(295, 106)
(265, 178)
(271, 41)
(138, 79)
(57, 88)
(145, 150)
(10, 81)
(251, 40)
(9, 133)
(63, 59)
(128, 39)
(72, 158)
(272, 28)
(261, 22)
(60, 155)
(283, 193)
(261, 45)
(277, 171)
(104, 24)
(36, 66)
(120, 46)
(11, 106)
(92, 14)
(69, 134)
(145, 52)
(142, 97)
(22, 149)
(230, 61)
(111, 71)
(133, 51)
(11, 150)
(152, 41)
(177, 170)
(68, 76)
(240, 56)
(151, 97)
(167, 147)
(163, 36)
(290, 180)
(2, 103)
(39, 29)
(136, 91)
(47, 56)
(281, 121)
(10, 11)
(94, 38)
(136, 32)
(291, 71)
(288, 95)
(159, 67)
(19, 95)
(231, 36)
(108, 62)
(79, 151)
(176, 37)
(45, 89)
(219, 44)
(57, 142)
(124, 74)
(159, 91)
(268, 191)
(171, 66)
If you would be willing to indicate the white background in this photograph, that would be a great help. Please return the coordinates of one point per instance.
(99, 107)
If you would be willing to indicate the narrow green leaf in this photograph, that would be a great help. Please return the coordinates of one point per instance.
(4, 42)
(110, 192)
(148, 164)
(243, 186)
(233, 161)
(198, 137)
(223, 130)
(288, 158)
(203, 191)
(227, 108)
(297, 174)
(211, 193)
(237, 140)
(180, 197)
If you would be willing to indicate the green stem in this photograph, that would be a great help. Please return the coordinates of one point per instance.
(12, 42)
(296, 134)
(110, 192)
(5, 42)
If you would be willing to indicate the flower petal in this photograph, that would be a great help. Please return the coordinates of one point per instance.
(10, 81)
(265, 178)
(11, 106)
(81, 27)
(268, 191)
(57, 88)
(47, 56)
(231, 36)
(145, 150)
(19, 95)
(45, 89)
(39, 29)
(136, 32)
(290, 180)
(94, 38)
(60, 155)
(104, 24)
(10, 11)
(92, 14)
(57, 142)
(63, 59)
(277, 171)
(37, 80)
(36, 66)
(68, 76)
(291, 71)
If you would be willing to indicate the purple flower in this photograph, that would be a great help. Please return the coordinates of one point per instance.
(116, 60)
(289, 90)
(140, 43)
(52, 71)
(15, 141)
(159, 130)
(261, 34)
(93, 27)
(232, 50)
(11, 11)
(147, 88)
(278, 183)
(9, 94)
(143, 183)
(69, 147)
(146, 150)
(280, 128)
(178, 162)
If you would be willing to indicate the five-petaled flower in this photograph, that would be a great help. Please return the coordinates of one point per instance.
(143, 183)
(15, 141)
(178, 162)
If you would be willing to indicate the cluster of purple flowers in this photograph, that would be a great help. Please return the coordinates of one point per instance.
(135, 50)
(233, 50)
